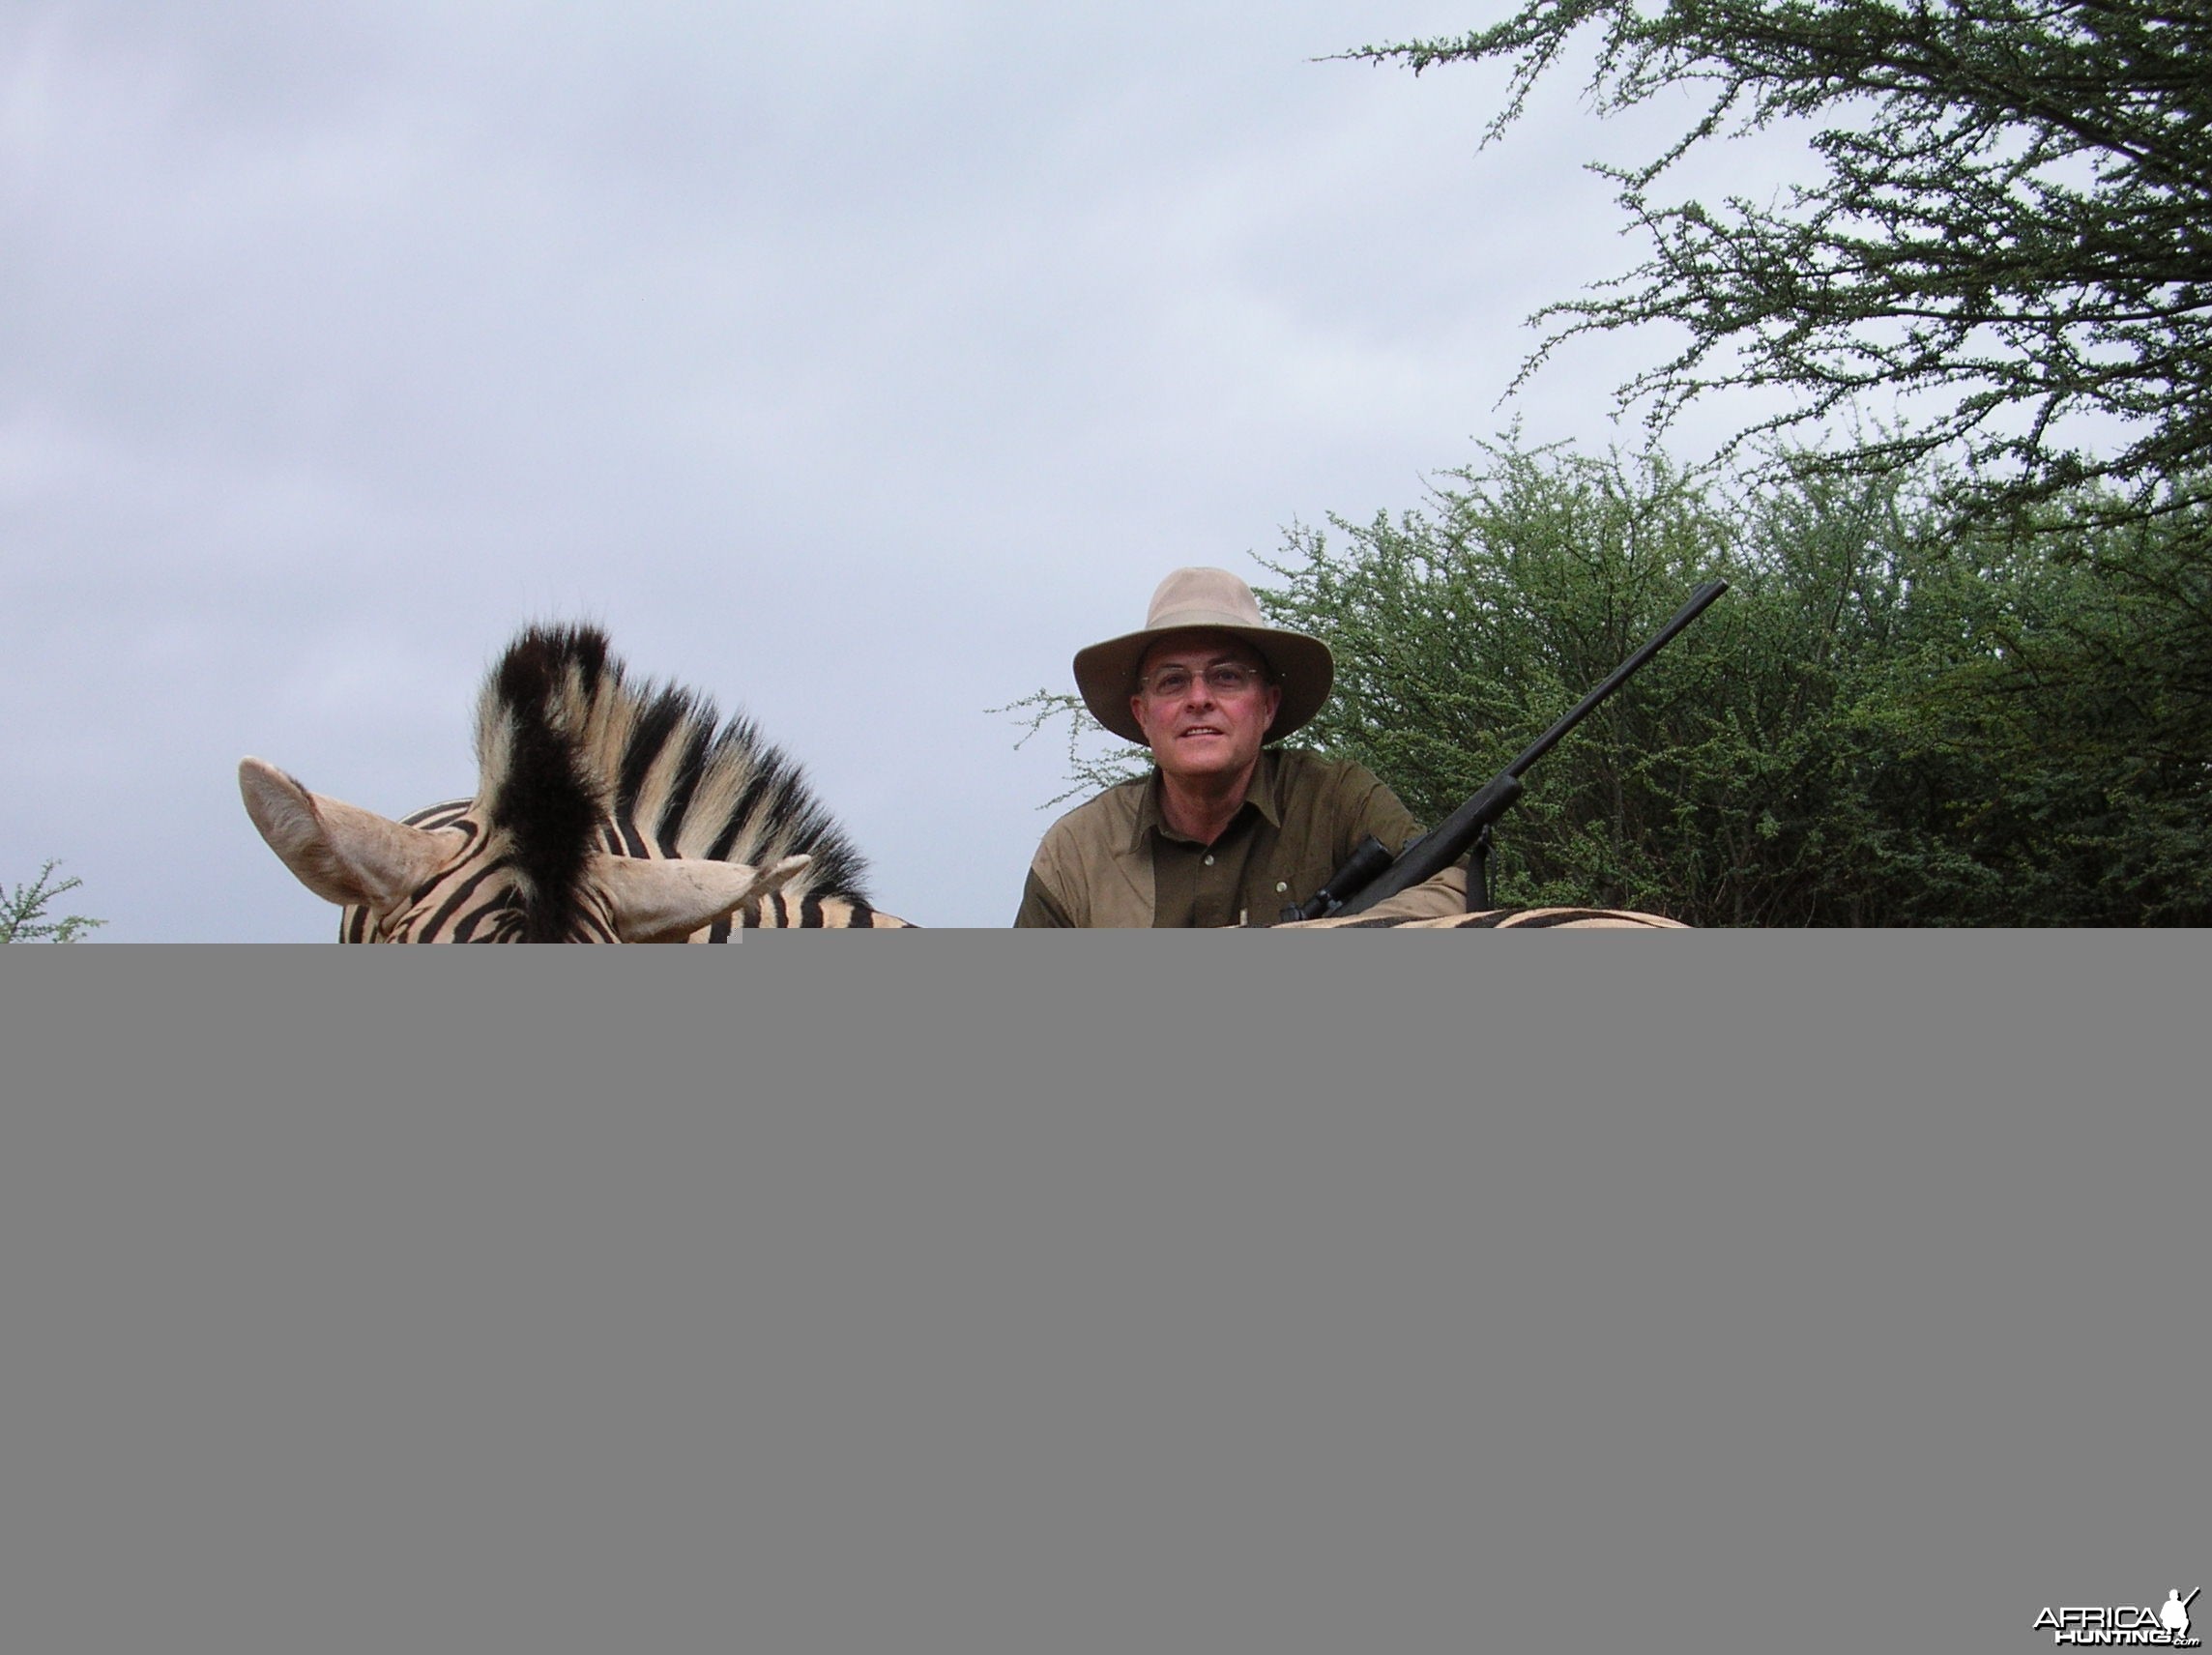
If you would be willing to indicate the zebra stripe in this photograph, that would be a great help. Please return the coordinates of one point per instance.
(1503, 919)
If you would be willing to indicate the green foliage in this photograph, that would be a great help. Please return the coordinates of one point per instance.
(1966, 674)
(1881, 724)
(23, 912)
(2014, 225)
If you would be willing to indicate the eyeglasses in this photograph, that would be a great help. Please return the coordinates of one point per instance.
(1226, 678)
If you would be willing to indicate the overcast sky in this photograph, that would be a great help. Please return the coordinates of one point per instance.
(855, 366)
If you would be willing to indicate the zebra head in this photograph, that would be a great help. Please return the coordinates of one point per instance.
(456, 883)
(604, 813)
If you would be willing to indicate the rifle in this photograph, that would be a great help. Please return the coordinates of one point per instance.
(1371, 874)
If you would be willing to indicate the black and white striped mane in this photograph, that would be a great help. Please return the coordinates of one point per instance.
(605, 811)
(573, 758)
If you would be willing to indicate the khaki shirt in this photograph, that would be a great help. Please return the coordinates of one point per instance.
(1113, 862)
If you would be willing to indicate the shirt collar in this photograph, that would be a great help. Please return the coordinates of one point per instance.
(1258, 794)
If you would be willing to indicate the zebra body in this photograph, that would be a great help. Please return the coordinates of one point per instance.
(605, 811)
(1502, 920)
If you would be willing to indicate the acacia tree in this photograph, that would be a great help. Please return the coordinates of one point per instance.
(24, 917)
(2014, 225)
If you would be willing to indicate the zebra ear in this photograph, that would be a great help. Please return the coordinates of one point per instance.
(340, 851)
(666, 901)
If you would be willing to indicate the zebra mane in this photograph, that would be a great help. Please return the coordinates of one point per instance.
(572, 758)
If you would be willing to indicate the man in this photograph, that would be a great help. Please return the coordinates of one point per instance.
(1226, 830)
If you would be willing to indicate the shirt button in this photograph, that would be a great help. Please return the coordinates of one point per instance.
(1210, 858)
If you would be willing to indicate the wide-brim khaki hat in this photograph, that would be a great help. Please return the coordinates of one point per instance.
(1209, 600)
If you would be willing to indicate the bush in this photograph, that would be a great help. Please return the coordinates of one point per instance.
(1877, 726)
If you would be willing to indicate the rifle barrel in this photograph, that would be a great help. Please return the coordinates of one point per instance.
(1698, 602)
(1433, 853)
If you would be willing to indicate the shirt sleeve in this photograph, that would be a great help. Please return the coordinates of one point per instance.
(1437, 898)
(1367, 805)
(1039, 906)
(1377, 810)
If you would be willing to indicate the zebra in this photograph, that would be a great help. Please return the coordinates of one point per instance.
(1502, 920)
(605, 811)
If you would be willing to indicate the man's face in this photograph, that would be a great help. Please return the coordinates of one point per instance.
(1203, 730)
